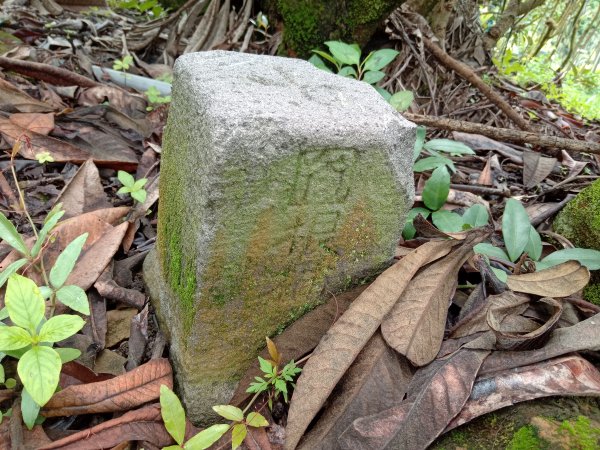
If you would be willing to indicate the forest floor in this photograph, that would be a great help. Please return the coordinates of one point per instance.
(67, 135)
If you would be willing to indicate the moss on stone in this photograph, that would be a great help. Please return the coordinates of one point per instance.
(526, 438)
(592, 293)
(579, 221)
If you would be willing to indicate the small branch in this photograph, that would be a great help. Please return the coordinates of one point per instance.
(505, 134)
(46, 72)
(467, 73)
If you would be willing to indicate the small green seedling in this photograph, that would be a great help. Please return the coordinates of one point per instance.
(123, 64)
(132, 187)
(275, 381)
(44, 157)
(155, 98)
(174, 419)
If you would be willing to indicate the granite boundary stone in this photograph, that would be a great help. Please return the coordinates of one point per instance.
(279, 182)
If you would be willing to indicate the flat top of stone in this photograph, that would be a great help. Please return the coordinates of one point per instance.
(243, 87)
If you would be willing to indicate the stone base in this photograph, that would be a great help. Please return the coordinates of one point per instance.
(198, 395)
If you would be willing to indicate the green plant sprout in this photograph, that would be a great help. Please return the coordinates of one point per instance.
(44, 157)
(131, 186)
(155, 98)
(275, 381)
(152, 8)
(346, 60)
(123, 64)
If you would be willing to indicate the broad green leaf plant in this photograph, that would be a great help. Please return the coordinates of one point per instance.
(346, 59)
(31, 334)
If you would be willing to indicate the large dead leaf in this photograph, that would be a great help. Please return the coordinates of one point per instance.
(559, 281)
(536, 168)
(11, 96)
(121, 393)
(376, 380)
(571, 375)
(511, 335)
(440, 392)
(38, 122)
(415, 325)
(346, 338)
(583, 336)
(84, 192)
(141, 424)
(301, 337)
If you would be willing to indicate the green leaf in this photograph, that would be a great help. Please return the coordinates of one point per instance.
(60, 327)
(229, 412)
(3, 314)
(373, 76)
(515, 228)
(75, 298)
(586, 257)
(433, 162)
(66, 261)
(447, 221)
(534, 244)
(385, 94)
(348, 71)
(409, 229)
(24, 302)
(489, 250)
(476, 216)
(501, 274)
(39, 370)
(14, 338)
(401, 100)
(328, 57)
(11, 236)
(2, 376)
(344, 53)
(140, 195)
(255, 420)
(379, 59)
(207, 437)
(436, 189)
(29, 409)
(67, 354)
(124, 190)
(46, 292)
(316, 61)
(448, 146)
(12, 268)
(265, 365)
(139, 184)
(238, 433)
(47, 228)
(125, 178)
(421, 132)
(172, 414)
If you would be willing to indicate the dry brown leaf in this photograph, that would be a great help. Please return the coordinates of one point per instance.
(583, 336)
(346, 338)
(440, 392)
(140, 424)
(415, 325)
(38, 122)
(10, 95)
(575, 167)
(121, 393)
(536, 168)
(571, 375)
(84, 192)
(558, 281)
(119, 325)
(377, 380)
(516, 336)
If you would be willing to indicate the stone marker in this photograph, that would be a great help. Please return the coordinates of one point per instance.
(279, 183)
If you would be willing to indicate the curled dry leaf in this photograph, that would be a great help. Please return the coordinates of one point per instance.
(377, 380)
(10, 95)
(536, 167)
(436, 394)
(559, 281)
(583, 336)
(121, 393)
(511, 336)
(346, 338)
(415, 325)
(571, 375)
